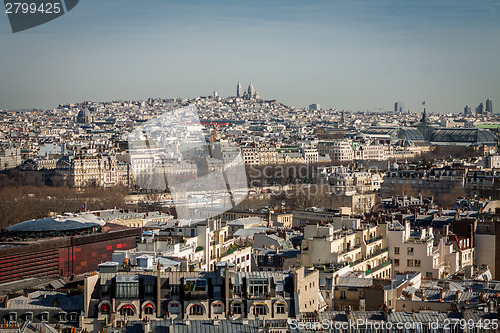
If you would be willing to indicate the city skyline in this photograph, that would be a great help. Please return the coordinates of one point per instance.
(360, 56)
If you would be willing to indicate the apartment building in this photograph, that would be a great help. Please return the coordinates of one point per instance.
(340, 151)
(113, 297)
(362, 247)
(103, 171)
(10, 156)
(415, 251)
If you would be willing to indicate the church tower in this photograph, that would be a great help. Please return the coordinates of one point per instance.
(251, 90)
(238, 89)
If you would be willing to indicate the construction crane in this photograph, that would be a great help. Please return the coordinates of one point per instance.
(215, 125)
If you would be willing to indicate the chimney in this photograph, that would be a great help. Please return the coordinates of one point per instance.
(486, 283)
(442, 293)
(491, 305)
(446, 230)
(226, 288)
(158, 290)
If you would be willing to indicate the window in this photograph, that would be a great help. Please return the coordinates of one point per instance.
(195, 285)
(29, 316)
(196, 310)
(410, 251)
(237, 289)
(218, 308)
(148, 290)
(174, 289)
(62, 316)
(105, 308)
(73, 316)
(396, 250)
(148, 309)
(259, 310)
(428, 275)
(44, 316)
(280, 308)
(127, 310)
(237, 308)
(258, 287)
(409, 263)
(12, 316)
(105, 290)
(175, 308)
(396, 262)
(127, 290)
(342, 294)
(417, 263)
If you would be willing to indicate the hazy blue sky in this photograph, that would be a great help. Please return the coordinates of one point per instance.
(353, 55)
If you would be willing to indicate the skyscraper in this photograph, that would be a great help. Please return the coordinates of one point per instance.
(489, 106)
(480, 109)
(399, 107)
(467, 110)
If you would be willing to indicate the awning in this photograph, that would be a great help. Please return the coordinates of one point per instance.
(127, 306)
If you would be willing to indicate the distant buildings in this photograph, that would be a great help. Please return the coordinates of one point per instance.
(60, 246)
(10, 156)
(84, 117)
(102, 171)
(489, 106)
(399, 107)
(249, 94)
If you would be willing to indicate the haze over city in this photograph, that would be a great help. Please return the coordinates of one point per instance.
(346, 55)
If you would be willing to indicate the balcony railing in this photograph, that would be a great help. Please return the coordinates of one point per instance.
(195, 295)
(355, 247)
(374, 254)
(259, 296)
(379, 267)
(374, 239)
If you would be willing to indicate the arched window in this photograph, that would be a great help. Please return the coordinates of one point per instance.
(174, 307)
(196, 310)
(127, 310)
(280, 308)
(237, 308)
(218, 308)
(105, 308)
(259, 310)
(148, 309)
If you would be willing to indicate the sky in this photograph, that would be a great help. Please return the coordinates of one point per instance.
(350, 55)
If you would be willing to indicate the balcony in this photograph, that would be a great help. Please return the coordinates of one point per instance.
(195, 295)
(372, 240)
(259, 296)
(379, 267)
(355, 247)
(374, 254)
